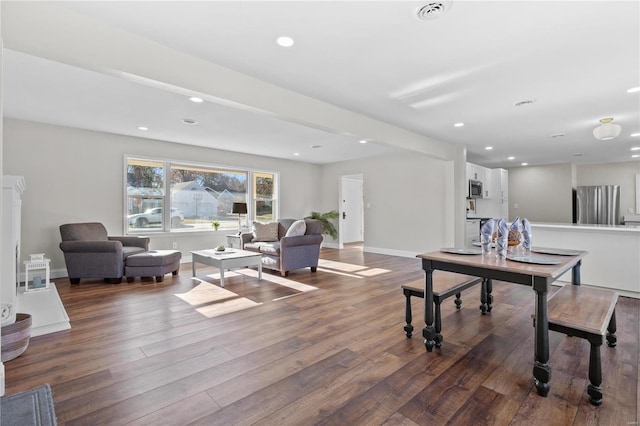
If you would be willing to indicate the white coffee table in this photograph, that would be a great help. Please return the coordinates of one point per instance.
(230, 258)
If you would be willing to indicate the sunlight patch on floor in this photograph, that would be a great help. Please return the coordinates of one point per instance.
(340, 266)
(206, 293)
(213, 301)
(237, 304)
(349, 269)
(277, 279)
(373, 272)
(344, 274)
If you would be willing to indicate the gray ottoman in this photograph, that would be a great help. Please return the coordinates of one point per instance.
(152, 263)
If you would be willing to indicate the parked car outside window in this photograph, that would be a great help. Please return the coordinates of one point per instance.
(153, 216)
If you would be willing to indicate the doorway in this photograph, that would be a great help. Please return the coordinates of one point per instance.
(351, 228)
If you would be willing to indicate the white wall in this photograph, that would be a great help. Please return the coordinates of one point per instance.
(77, 176)
(408, 203)
(622, 174)
(542, 193)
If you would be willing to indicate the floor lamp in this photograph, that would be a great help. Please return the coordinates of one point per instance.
(239, 208)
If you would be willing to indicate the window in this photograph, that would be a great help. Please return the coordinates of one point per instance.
(197, 196)
(263, 196)
(145, 193)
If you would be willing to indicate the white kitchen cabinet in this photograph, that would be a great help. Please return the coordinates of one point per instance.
(475, 172)
(500, 190)
(482, 174)
(472, 231)
(504, 184)
(487, 184)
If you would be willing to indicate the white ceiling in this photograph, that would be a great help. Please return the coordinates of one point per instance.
(574, 59)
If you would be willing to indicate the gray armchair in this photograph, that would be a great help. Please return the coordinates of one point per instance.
(90, 253)
(289, 253)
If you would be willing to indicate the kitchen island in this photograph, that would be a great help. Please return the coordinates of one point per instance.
(614, 253)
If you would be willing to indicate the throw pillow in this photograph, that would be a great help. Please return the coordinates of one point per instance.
(265, 231)
(297, 228)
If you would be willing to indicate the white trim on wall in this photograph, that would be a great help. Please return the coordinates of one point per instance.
(637, 193)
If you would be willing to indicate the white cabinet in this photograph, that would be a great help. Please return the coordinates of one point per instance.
(482, 174)
(486, 184)
(500, 190)
(475, 172)
(504, 184)
(472, 231)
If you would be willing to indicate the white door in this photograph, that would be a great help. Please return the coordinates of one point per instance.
(351, 209)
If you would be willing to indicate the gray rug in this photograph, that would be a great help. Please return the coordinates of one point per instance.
(32, 407)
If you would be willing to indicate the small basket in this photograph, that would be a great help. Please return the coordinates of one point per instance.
(15, 337)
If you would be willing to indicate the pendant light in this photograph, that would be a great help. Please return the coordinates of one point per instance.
(607, 130)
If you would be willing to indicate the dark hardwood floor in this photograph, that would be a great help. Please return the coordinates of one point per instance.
(323, 348)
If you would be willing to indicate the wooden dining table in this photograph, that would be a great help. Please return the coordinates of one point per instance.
(491, 267)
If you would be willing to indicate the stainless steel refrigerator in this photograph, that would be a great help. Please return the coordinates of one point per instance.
(598, 204)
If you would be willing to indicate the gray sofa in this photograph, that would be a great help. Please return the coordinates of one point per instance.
(288, 253)
(90, 253)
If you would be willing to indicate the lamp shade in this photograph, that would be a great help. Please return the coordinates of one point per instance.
(240, 208)
(607, 130)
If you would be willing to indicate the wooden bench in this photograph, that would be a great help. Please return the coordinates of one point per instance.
(588, 313)
(445, 284)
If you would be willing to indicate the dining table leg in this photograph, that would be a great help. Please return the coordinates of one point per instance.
(486, 299)
(429, 331)
(541, 369)
(575, 273)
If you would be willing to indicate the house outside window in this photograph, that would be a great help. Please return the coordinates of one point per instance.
(197, 196)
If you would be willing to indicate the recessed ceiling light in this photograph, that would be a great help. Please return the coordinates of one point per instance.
(635, 156)
(285, 41)
(363, 141)
(458, 125)
(296, 153)
(524, 164)
(633, 90)
(635, 148)
(633, 135)
(511, 158)
(189, 121)
(143, 128)
(196, 99)
(488, 148)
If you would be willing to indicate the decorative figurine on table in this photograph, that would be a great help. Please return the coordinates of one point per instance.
(526, 234)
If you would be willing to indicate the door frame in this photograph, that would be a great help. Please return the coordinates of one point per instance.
(351, 177)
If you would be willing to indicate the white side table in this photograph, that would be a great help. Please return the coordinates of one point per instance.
(37, 268)
(234, 241)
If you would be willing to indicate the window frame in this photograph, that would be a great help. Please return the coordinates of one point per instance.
(167, 164)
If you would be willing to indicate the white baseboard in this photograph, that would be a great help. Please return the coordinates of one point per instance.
(332, 245)
(389, 252)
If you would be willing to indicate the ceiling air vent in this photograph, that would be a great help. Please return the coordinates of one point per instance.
(525, 102)
(433, 10)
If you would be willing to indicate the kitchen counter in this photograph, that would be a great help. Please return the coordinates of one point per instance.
(613, 256)
(588, 227)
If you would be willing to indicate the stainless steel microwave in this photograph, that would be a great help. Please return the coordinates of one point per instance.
(475, 188)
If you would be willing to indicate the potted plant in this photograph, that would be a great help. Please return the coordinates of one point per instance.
(215, 225)
(327, 226)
